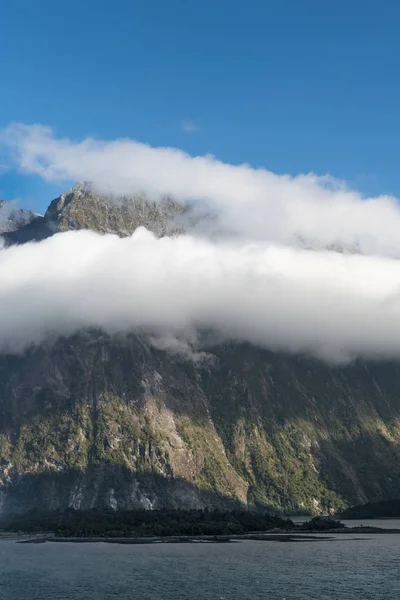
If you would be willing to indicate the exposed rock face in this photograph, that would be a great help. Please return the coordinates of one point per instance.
(95, 420)
(12, 219)
(82, 208)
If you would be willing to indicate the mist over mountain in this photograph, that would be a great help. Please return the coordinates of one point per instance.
(161, 268)
(148, 360)
(250, 204)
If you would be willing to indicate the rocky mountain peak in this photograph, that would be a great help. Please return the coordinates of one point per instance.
(80, 191)
(12, 218)
(82, 207)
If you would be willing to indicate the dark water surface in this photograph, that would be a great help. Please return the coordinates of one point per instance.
(343, 569)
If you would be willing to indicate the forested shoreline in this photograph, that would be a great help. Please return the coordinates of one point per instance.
(142, 523)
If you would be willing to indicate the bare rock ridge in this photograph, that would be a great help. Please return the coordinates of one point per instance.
(12, 219)
(82, 208)
(98, 420)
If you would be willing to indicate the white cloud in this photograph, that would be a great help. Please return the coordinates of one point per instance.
(254, 284)
(189, 126)
(252, 203)
(330, 305)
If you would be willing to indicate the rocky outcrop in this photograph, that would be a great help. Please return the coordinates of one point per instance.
(82, 207)
(12, 219)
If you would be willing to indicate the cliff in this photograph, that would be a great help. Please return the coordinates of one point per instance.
(98, 420)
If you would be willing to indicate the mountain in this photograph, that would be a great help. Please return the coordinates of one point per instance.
(12, 219)
(387, 509)
(100, 420)
(82, 208)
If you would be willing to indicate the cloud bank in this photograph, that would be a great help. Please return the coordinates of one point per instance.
(255, 284)
(326, 304)
(252, 203)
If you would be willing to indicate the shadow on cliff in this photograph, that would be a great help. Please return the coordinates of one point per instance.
(287, 387)
(266, 390)
(240, 380)
(109, 486)
(363, 469)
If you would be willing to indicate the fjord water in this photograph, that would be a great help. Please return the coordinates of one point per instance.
(343, 569)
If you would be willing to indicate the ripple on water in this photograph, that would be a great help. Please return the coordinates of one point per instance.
(343, 569)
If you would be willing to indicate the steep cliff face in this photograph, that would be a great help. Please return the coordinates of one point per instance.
(95, 420)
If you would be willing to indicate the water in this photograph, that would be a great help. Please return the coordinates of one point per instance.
(343, 569)
(382, 523)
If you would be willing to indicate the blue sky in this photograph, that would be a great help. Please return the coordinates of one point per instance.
(291, 85)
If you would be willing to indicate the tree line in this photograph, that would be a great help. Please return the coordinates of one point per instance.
(143, 523)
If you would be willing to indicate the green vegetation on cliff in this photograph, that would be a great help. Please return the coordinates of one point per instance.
(252, 427)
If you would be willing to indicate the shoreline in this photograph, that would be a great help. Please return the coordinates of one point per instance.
(289, 536)
(277, 537)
